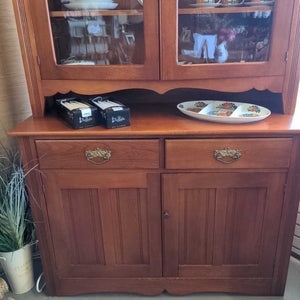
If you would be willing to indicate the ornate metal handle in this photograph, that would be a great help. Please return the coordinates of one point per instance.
(91, 155)
(223, 155)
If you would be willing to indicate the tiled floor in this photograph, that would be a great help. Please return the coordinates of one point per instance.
(292, 292)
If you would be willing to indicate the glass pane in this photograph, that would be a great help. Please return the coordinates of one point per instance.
(224, 31)
(95, 32)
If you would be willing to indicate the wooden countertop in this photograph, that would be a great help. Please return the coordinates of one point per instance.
(159, 120)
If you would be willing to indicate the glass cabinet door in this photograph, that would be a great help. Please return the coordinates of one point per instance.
(96, 39)
(225, 38)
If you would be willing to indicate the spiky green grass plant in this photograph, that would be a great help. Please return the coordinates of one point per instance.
(16, 226)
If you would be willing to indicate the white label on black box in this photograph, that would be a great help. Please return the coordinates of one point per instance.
(108, 104)
(86, 112)
(117, 119)
(117, 108)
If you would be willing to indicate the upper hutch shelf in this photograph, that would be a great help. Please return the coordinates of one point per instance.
(136, 12)
(88, 13)
(224, 10)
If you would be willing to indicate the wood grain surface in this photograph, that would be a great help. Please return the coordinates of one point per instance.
(292, 77)
(221, 225)
(139, 226)
(130, 154)
(92, 87)
(106, 224)
(160, 120)
(255, 153)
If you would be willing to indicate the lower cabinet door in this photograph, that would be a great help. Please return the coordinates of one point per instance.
(221, 225)
(104, 224)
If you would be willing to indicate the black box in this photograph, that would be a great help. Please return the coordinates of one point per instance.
(112, 114)
(77, 113)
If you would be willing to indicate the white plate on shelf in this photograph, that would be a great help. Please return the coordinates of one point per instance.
(80, 63)
(264, 3)
(224, 112)
(92, 5)
(233, 5)
(205, 5)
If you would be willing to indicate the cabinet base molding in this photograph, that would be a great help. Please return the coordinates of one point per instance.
(156, 286)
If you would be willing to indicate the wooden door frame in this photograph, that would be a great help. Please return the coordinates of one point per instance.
(276, 65)
(50, 70)
(172, 183)
(56, 181)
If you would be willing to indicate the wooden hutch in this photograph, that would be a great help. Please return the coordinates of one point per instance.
(162, 213)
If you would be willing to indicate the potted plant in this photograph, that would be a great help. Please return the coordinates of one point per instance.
(16, 226)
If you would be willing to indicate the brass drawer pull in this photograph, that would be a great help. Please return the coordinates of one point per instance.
(227, 155)
(93, 155)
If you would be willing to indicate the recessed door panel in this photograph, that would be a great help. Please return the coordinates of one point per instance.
(103, 228)
(221, 225)
(196, 214)
(244, 215)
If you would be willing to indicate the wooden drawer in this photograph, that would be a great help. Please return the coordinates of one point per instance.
(72, 154)
(255, 153)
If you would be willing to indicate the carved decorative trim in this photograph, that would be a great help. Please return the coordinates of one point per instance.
(273, 84)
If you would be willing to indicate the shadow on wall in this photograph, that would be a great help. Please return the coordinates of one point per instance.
(14, 101)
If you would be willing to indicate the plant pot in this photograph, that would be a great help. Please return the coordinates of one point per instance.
(17, 266)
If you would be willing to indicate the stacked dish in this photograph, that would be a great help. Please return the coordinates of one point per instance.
(89, 4)
(224, 112)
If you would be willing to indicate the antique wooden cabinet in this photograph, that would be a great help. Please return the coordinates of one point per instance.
(159, 211)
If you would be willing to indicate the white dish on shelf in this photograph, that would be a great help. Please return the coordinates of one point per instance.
(80, 63)
(224, 112)
(232, 5)
(91, 5)
(264, 3)
(205, 5)
(86, 1)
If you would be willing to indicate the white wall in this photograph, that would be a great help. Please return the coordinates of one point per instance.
(14, 101)
(296, 242)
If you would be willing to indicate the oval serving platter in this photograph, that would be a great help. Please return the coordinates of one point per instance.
(224, 112)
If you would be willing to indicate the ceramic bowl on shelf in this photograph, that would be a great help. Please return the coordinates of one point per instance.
(224, 112)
